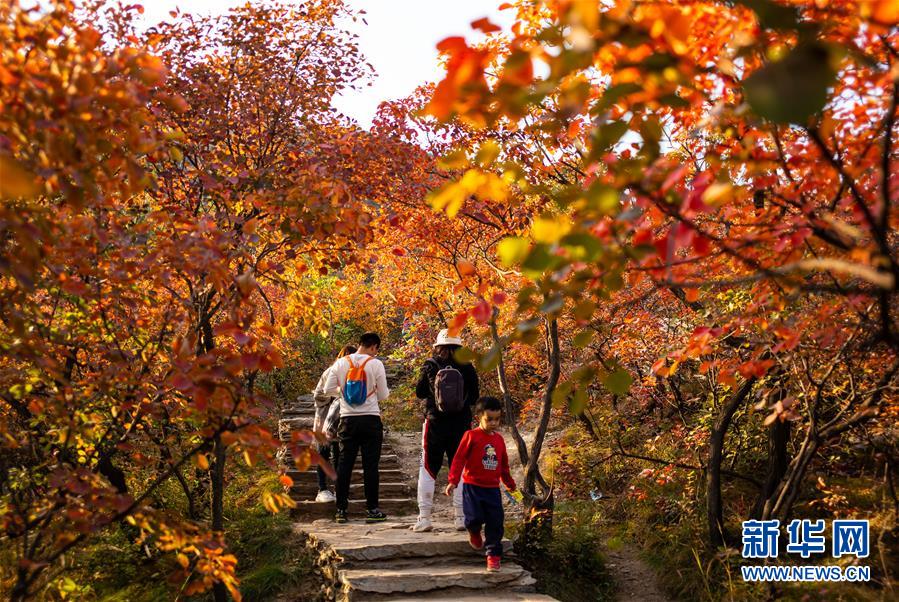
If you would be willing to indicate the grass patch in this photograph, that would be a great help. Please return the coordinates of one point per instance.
(272, 559)
(573, 568)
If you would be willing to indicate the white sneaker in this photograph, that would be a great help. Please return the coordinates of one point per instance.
(422, 524)
(459, 522)
(325, 496)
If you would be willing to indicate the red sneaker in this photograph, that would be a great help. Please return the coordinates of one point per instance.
(475, 540)
(492, 564)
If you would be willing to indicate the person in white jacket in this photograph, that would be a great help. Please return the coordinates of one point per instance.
(360, 423)
(325, 407)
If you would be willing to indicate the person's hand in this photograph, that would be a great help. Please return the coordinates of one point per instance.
(449, 489)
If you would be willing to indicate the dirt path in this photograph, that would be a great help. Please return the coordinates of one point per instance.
(634, 580)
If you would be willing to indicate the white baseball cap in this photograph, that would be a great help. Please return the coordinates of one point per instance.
(443, 338)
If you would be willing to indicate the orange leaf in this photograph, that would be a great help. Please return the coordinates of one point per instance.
(15, 181)
(466, 268)
(885, 12)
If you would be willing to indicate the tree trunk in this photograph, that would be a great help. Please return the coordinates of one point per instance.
(510, 413)
(538, 528)
(714, 505)
(218, 497)
(532, 472)
(778, 462)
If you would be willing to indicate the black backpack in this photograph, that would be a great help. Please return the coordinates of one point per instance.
(449, 389)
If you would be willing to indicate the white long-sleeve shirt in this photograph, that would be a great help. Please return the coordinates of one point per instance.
(375, 381)
(321, 409)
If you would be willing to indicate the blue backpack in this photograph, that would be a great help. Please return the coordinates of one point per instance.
(355, 390)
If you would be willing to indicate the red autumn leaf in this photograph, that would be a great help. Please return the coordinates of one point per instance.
(481, 312)
(483, 24)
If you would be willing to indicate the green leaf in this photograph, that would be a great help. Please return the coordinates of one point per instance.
(538, 260)
(490, 360)
(617, 382)
(561, 392)
(658, 62)
(584, 310)
(528, 325)
(583, 338)
(793, 89)
(772, 15)
(512, 250)
(613, 93)
(553, 304)
(464, 355)
(582, 247)
(605, 136)
(674, 101)
(578, 402)
(602, 198)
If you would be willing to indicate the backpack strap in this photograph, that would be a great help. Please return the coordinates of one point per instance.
(362, 367)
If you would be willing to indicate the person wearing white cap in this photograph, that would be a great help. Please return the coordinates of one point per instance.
(449, 389)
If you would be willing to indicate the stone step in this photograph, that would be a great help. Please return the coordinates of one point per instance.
(402, 543)
(386, 458)
(309, 489)
(359, 581)
(460, 594)
(388, 465)
(311, 510)
(295, 423)
(310, 476)
(295, 411)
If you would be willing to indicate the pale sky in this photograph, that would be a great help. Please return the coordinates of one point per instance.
(399, 40)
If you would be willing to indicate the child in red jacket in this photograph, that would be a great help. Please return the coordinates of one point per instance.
(480, 462)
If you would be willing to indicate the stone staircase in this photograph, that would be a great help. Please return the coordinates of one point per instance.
(396, 495)
(389, 562)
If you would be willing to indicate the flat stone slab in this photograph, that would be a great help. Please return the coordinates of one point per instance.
(391, 540)
(429, 578)
(493, 596)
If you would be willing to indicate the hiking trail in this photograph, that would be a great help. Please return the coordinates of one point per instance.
(387, 561)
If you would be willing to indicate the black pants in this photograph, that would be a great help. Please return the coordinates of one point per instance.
(355, 433)
(441, 440)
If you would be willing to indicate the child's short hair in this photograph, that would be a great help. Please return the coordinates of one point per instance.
(487, 403)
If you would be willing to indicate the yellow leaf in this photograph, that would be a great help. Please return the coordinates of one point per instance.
(449, 198)
(269, 502)
(488, 153)
(492, 188)
(512, 250)
(549, 229)
(718, 193)
(183, 560)
(202, 461)
(456, 159)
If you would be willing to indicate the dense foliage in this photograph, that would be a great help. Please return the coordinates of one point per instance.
(667, 229)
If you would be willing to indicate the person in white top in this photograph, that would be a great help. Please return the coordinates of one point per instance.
(326, 406)
(360, 422)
